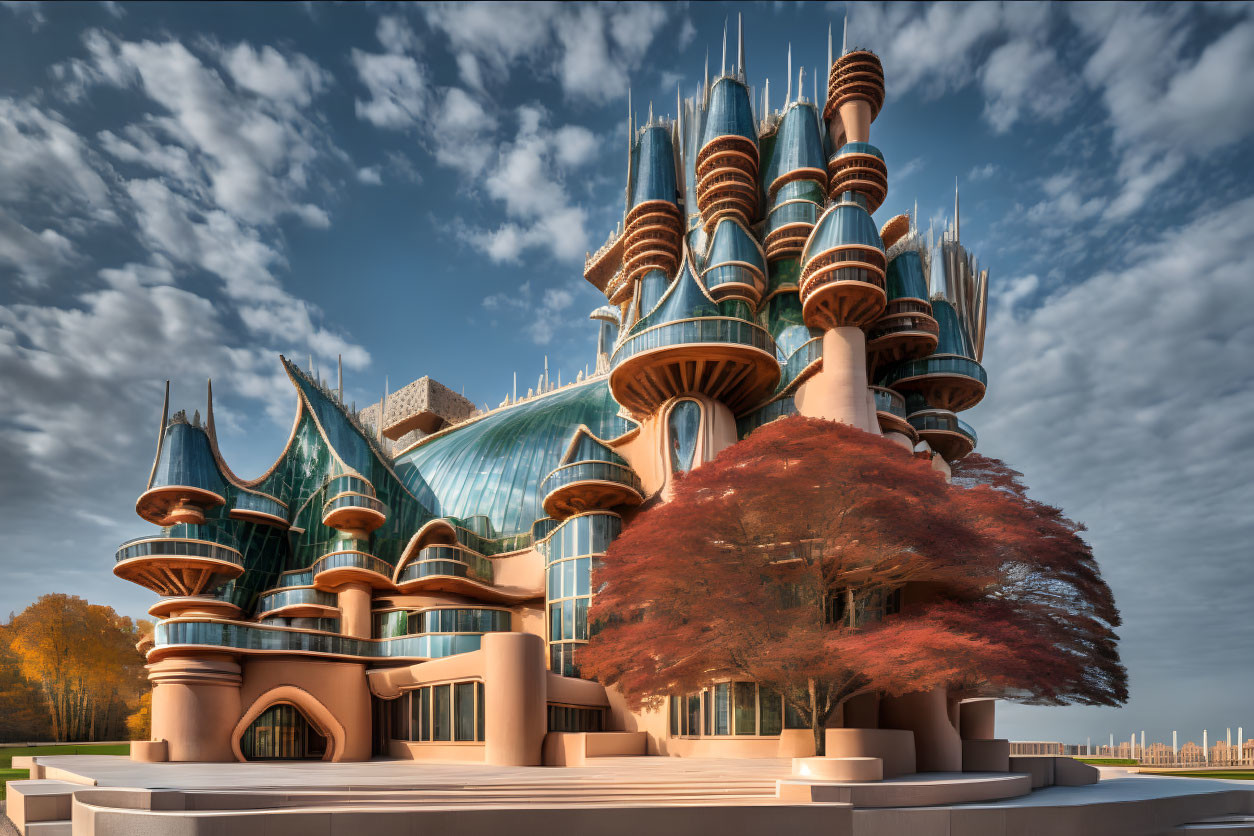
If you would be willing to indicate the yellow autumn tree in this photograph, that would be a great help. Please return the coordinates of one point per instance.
(83, 660)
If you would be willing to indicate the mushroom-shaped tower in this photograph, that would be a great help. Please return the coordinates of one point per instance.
(182, 560)
(688, 344)
(906, 329)
(842, 274)
(727, 160)
(735, 266)
(591, 476)
(185, 481)
(653, 225)
(855, 94)
(794, 179)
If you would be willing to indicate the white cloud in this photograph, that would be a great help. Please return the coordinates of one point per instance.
(911, 167)
(370, 175)
(42, 158)
(268, 73)
(1022, 75)
(982, 172)
(542, 317)
(33, 255)
(396, 86)
(576, 145)
(395, 34)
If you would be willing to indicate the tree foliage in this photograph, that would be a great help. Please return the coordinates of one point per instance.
(773, 561)
(81, 660)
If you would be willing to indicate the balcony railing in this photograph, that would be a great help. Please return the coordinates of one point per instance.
(591, 471)
(168, 546)
(257, 637)
(444, 561)
(352, 560)
(939, 365)
(352, 500)
(295, 597)
(714, 329)
(940, 421)
(886, 400)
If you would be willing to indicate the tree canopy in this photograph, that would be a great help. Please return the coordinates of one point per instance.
(822, 561)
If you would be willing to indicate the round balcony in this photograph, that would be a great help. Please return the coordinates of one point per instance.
(178, 566)
(727, 186)
(858, 167)
(795, 210)
(735, 266)
(855, 76)
(944, 433)
(446, 568)
(906, 331)
(204, 604)
(653, 240)
(890, 410)
(946, 381)
(298, 602)
(589, 485)
(259, 508)
(350, 511)
(842, 278)
(176, 504)
(726, 358)
(351, 564)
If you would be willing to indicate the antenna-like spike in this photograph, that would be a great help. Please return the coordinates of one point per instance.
(766, 99)
(339, 360)
(515, 386)
(209, 425)
(844, 37)
(165, 416)
(722, 67)
(740, 48)
(650, 111)
(788, 95)
(705, 90)
(956, 237)
(914, 227)
(815, 81)
(829, 46)
(801, 83)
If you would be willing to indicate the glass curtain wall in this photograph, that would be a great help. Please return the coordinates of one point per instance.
(451, 712)
(732, 709)
(282, 733)
(569, 554)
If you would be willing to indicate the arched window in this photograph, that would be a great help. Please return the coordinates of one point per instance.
(684, 424)
(282, 733)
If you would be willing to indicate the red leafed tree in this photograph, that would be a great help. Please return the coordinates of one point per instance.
(773, 563)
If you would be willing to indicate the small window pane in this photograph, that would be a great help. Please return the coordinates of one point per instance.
(746, 707)
(722, 714)
(424, 714)
(464, 703)
(770, 712)
(479, 713)
(441, 712)
(582, 575)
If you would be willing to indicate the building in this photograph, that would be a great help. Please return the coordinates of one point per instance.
(413, 578)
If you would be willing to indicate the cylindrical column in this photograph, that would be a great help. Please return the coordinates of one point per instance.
(515, 697)
(839, 391)
(195, 706)
(855, 116)
(938, 748)
(354, 601)
(976, 719)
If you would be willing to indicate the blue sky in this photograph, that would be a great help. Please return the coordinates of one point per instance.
(189, 190)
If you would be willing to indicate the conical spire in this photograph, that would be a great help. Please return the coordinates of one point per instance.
(740, 48)
(844, 37)
(956, 238)
(339, 377)
(788, 95)
(722, 67)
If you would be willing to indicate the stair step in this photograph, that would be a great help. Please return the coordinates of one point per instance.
(48, 828)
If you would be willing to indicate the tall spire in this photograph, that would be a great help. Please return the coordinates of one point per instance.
(766, 99)
(722, 67)
(829, 46)
(955, 209)
(914, 227)
(788, 95)
(844, 37)
(650, 112)
(815, 81)
(740, 48)
(801, 83)
(827, 70)
(705, 91)
(339, 377)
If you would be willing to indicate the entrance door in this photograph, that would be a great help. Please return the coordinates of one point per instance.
(282, 733)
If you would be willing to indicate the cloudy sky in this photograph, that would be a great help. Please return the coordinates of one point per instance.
(187, 191)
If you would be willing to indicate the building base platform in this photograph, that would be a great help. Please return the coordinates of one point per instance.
(114, 795)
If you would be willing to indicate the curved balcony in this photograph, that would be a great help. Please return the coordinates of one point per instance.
(788, 225)
(582, 486)
(856, 76)
(353, 512)
(653, 240)
(802, 363)
(439, 567)
(858, 167)
(946, 381)
(259, 508)
(200, 604)
(842, 287)
(907, 330)
(298, 602)
(170, 636)
(178, 566)
(890, 409)
(176, 504)
(351, 566)
(944, 433)
(725, 358)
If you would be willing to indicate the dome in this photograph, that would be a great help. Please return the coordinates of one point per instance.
(905, 277)
(653, 167)
(851, 148)
(729, 112)
(797, 146)
(845, 224)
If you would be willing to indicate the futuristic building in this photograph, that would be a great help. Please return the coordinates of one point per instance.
(414, 578)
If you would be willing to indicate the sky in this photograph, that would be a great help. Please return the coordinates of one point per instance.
(189, 190)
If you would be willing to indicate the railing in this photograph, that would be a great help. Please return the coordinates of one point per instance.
(915, 324)
(766, 414)
(791, 213)
(591, 471)
(177, 547)
(289, 597)
(348, 483)
(435, 561)
(939, 420)
(713, 329)
(258, 504)
(801, 359)
(352, 560)
(352, 500)
(938, 364)
(259, 637)
(886, 400)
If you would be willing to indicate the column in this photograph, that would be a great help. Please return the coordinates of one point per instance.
(354, 602)
(515, 695)
(195, 705)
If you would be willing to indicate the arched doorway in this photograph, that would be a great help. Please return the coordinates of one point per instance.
(282, 733)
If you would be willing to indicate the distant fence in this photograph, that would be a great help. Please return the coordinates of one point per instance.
(1154, 754)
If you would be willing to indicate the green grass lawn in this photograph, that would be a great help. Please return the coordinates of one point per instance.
(8, 773)
(1109, 761)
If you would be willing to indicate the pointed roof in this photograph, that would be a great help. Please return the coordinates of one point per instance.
(653, 168)
(729, 113)
(845, 223)
(798, 145)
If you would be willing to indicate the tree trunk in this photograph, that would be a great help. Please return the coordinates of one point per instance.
(816, 726)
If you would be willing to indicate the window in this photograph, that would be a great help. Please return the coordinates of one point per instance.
(745, 694)
(464, 711)
(282, 733)
(721, 708)
(572, 718)
(770, 713)
(684, 424)
(440, 713)
(441, 706)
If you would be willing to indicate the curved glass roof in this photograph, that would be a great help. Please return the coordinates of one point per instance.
(588, 448)
(858, 148)
(953, 337)
(732, 243)
(653, 168)
(493, 466)
(842, 224)
(798, 144)
(651, 288)
(729, 112)
(905, 277)
(684, 299)
(186, 458)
